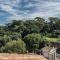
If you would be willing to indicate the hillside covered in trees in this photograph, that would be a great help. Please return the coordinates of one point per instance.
(21, 36)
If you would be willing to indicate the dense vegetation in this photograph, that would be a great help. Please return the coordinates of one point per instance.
(21, 36)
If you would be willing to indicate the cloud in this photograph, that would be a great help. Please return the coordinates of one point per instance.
(24, 9)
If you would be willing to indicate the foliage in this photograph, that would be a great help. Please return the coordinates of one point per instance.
(14, 47)
(33, 33)
(33, 42)
(48, 39)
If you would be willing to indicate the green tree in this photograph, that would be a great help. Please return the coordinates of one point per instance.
(33, 42)
(54, 23)
(4, 39)
(35, 25)
(14, 47)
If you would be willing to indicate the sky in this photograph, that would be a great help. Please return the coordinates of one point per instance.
(27, 9)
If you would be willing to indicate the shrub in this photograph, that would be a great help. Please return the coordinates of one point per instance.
(14, 47)
(33, 42)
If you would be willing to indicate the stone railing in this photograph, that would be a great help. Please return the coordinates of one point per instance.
(57, 55)
(52, 54)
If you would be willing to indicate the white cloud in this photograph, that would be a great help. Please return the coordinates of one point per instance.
(41, 8)
(29, 5)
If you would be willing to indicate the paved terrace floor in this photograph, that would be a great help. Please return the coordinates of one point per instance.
(6, 56)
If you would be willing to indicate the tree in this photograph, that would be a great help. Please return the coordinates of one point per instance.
(14, 46)
(15, 26)
(33, 42)
(15, 36)
(35, 25)
(54, 23)
(40, 22)
(31, 26)
(4, 39)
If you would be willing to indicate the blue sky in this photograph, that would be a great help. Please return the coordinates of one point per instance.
(24, 9)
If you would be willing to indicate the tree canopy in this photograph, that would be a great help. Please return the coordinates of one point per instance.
(20, 35)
